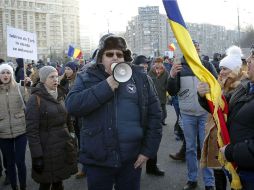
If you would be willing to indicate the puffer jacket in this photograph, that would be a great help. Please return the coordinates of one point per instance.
(92, 99)
(49, 137)
(12, 116)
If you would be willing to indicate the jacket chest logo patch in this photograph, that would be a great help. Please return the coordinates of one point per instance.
(131, 88)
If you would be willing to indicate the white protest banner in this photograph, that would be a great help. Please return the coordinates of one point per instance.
(21, 44)
(170, 54)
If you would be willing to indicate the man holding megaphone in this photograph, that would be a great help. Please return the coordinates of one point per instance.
(121, 117)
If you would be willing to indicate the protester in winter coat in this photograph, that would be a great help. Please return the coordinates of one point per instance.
(240, 124)
(70, 71)
(216, 61)
(151, 164)
(50, 133)
(67, 81)
(159, 75)
(12, 126)
(121, 122)
(19, 72)
(142, 61)
(229, 78)
(183, 82)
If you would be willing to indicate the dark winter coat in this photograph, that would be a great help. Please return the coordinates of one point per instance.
(241, 128)
(160, 84)
(19, 72)
(92, 99)
(49, 136)
(67, 83)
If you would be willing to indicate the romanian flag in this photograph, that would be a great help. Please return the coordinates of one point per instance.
(216, 101)
(172, 47)
(74, 52)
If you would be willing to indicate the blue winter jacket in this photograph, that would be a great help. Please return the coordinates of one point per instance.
(92, 99)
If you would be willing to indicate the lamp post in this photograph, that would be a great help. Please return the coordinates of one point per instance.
(238, 26)
(238, 23)
(108, 23)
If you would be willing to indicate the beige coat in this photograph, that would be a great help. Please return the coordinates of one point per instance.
(210, 150)
(12, 117)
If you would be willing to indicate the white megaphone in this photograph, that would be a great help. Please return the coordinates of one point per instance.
(122, 72)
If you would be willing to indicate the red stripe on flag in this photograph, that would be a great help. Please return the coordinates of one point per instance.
(223, 126)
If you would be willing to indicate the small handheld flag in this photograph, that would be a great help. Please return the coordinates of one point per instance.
(74, 52)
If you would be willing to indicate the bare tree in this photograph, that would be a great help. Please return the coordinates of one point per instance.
(248, 38)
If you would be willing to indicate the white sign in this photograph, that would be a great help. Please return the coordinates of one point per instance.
(21, 44)
(170, 54)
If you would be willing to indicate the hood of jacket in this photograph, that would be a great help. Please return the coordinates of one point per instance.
(41, 91)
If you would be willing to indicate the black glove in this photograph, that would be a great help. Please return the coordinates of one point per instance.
(38, 164)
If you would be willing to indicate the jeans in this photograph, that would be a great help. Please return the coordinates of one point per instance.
(193, 126)
(14, 151)
(175, 103)
(104, 178)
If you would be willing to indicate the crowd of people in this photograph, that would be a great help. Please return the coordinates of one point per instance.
(82, 114)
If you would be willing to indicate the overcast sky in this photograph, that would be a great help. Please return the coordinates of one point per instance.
(101, 15)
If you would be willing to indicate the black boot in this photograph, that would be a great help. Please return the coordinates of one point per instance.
(22, 187)
(155, 171)
(190, 185)
(57, 186)
(152, 168)
(6, 181)
(220, 179)
(179, 155)
(14, 187)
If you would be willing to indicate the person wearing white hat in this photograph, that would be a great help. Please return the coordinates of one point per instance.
(231, 63)
(236, 89)
(12, 126)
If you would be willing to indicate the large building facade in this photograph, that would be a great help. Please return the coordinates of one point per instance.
(55, 22)
(150, 34)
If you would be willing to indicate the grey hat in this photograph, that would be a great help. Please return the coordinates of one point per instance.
(45, 71)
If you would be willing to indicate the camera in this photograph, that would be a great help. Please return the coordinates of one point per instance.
(22, 83)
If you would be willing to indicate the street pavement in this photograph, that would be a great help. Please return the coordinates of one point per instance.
(175, 171)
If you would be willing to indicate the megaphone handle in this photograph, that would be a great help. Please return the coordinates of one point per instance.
(112, 83)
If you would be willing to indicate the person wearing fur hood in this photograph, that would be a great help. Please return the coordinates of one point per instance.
(230, 77)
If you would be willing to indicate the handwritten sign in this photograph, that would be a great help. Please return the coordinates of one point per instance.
(21, 44)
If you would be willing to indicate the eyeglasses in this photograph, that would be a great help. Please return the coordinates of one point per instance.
(111, 54)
